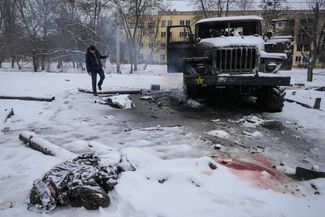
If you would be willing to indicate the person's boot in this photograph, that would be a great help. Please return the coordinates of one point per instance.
(95, 94)
(99, 86)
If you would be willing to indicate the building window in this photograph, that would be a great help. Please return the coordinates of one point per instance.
(169, 23)
(131, 24)
(298, 59)
(183, 34)
(163, 23)
(151, 25)
(151, 31)
(162, 46)
(298, 47)
(185, 22)
(151, 28)
(162, 57)
(163, 34)
(306, 47)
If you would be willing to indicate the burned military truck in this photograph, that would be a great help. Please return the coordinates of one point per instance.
(227, 53)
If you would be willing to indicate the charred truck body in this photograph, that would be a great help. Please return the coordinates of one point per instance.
(229, 53)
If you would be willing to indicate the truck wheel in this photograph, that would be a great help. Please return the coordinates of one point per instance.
(272, 99)
(191, 91)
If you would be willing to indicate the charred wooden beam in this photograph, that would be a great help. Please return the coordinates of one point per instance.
(112, 91)
(306, 174)
(299, 103)
(29, 98)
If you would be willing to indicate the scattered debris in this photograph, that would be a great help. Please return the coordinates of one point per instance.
(155, 87)
(109, 117)
(8, 113)
(218, 133)
(299, 103)
(257, 149)
(29, 98)
(298, 84)
(194, 104)
(307, 174)
(254, 134)
(215, 120)
(149, 98)
(315, 167)
(317, 103)
(6, 205)
(273, 125)
(120, 101)
(216, 146)
(320, 89)
(315, 188)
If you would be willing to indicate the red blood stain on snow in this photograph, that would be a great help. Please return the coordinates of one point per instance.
(259, 174)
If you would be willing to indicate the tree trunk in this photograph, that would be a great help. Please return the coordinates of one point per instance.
(19, 66)
(135, 57)
(43, 63)
(313, 56)
(12, 62)
(310, 69)
(35, 62)
(203, 9)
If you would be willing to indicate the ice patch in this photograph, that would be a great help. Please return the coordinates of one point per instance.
(219, 133)
(254, 134)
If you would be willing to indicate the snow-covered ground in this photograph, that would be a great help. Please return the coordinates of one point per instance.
(311, 120)
(173, 174)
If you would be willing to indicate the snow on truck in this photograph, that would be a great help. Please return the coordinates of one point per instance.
(228, 53)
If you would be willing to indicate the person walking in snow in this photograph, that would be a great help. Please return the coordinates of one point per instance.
(94, 67)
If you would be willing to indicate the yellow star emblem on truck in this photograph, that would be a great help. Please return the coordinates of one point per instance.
(199, 80)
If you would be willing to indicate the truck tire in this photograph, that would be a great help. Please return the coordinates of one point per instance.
(272, 99)
(191, 91)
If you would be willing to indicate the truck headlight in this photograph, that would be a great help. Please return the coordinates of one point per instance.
(201, 68)
(272, 67)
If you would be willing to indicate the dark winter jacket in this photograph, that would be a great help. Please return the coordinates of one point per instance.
(93, 63)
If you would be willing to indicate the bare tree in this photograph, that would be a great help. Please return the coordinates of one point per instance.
(314, 30)
(8, 22)
(211, 8)
(272, 9)
(244, 5)
(37, 20)
(133, 13)
(151, 34)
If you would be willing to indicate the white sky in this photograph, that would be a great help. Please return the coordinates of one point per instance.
(183, 5)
